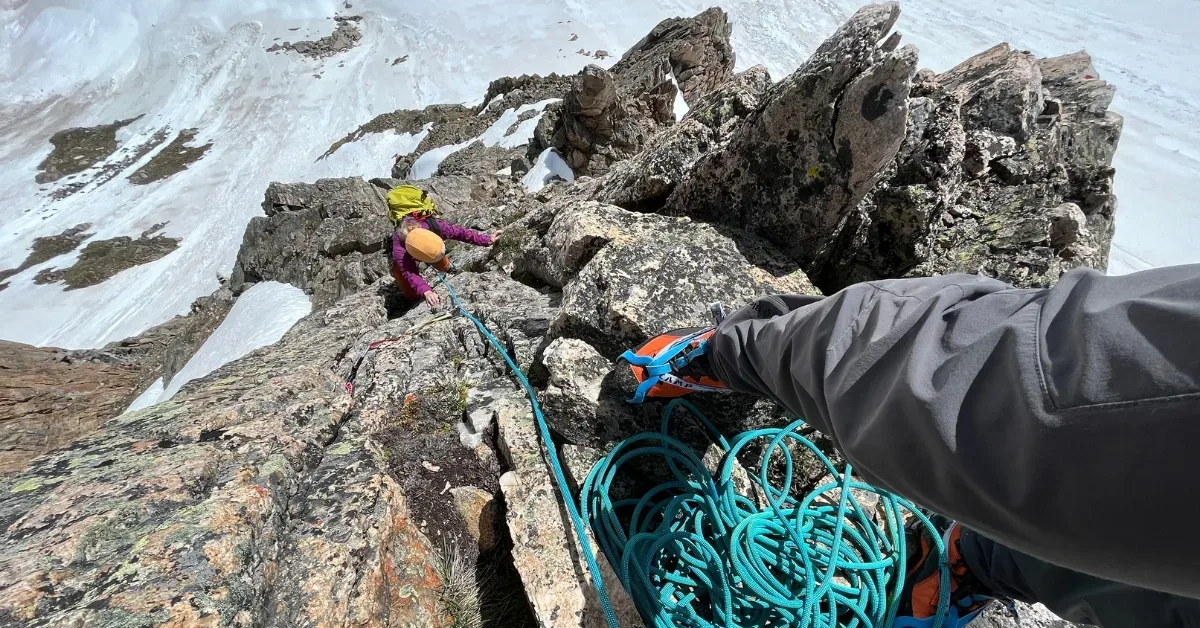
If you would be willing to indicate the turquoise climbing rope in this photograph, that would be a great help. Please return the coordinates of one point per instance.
(560, 478)
(699, 551)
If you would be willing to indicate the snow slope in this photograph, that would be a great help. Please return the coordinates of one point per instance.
(261, 316)
(67, 63)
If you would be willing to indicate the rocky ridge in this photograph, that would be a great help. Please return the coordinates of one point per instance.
(351, 473)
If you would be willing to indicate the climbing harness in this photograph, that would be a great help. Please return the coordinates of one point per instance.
(655, 362)
(694, 551)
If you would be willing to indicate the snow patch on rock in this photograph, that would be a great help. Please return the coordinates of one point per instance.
(549, 166)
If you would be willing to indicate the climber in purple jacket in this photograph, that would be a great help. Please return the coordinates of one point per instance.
(427, 245)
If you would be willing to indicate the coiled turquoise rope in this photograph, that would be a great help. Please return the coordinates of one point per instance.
(694, 552)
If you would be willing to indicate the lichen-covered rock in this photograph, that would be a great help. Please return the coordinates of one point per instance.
(1020, 615)
(962, 196)
(610, 115)
(354, 552)
(911, 173)
(660, 273)
(643, 182)
(545, 547)
(695, 50)
(1001, 89)
(179, 512)
(419, 390)
(325, 238)
(572, 396)
(798, 166)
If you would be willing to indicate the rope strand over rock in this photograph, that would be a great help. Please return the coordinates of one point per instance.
(693, 551)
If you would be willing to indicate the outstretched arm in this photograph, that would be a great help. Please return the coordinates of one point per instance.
(463, 234)
(1063, 422)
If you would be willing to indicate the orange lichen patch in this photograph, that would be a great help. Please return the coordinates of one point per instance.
(22, 597)
(222, 555)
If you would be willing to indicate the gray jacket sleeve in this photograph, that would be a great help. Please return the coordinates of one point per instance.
(1064, 423)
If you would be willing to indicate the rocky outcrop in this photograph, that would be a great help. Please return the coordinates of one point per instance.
(49, 397)
(478, 159)
(968, 171)
(610, 115)
(640, 274)
(100, 260)
(333, 237)
(78, 149)
(796, 168)
(345, 36)
(207, 313)
(172, 159)
(645, 181)
(964, 197)
(325, 238)
(46, 248)
(695, 50)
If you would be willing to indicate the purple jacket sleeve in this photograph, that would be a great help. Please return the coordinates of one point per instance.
(463, 234)
(408, 266)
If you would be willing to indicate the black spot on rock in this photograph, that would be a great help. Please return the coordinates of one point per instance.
(876, 102)
(165, 444)
(208, 436)
(845, 155)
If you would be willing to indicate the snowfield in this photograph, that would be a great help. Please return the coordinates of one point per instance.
(260, 317)
(67, 63)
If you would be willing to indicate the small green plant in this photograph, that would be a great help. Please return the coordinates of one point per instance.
(458, 601)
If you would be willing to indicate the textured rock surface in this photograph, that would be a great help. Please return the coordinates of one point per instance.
(610, 115)
(695, 50)
(478, 159)
(797, 167)
(642, 274)
(1020, 616)
(323, 237)
(78, 149)
(643, 182)
(100, 260)
(47, 248)
(206, 315)
(545, 550)
(49, 397)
